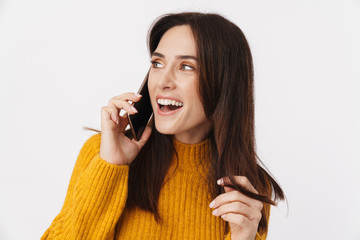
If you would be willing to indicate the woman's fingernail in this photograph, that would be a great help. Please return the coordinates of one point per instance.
(212, 204)
(137, 94)
(214, 212)
(220, 181)
(223, 216)
(134, 109)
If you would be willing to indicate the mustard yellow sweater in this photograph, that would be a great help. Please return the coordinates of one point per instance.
(94, 206)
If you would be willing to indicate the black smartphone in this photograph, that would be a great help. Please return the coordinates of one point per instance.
(139, 120)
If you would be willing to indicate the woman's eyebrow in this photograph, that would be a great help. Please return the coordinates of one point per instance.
(178, 56)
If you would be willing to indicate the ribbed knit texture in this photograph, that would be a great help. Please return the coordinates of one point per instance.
(94, 206)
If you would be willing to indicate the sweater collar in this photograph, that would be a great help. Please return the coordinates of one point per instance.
(193, 156)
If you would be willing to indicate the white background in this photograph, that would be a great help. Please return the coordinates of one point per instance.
(60, 61)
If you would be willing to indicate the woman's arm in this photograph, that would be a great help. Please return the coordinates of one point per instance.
(95, 198)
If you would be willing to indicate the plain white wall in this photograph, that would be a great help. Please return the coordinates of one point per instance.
(60, 61)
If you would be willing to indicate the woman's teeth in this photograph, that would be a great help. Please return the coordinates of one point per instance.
(168, 102)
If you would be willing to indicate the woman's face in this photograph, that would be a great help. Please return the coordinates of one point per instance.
(173, 83)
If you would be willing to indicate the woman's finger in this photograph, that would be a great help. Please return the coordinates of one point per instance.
(129, 96)
(118, 104)
(121, 102)
(238, 219)
(236, 207)
(145, 136)
(108, 114)
(235, 196)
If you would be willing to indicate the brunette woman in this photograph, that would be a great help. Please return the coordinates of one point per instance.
(194, 174)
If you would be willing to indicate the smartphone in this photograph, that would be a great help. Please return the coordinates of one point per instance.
(139, 120)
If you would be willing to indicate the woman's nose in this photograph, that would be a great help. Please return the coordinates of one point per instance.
(167, 79)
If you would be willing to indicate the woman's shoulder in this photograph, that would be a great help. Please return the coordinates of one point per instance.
(93, 141)
(88, 151)
(92, 144)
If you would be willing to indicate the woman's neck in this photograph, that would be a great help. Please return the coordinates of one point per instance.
(193, 137)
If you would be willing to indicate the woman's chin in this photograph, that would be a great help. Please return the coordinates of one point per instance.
(165, 129)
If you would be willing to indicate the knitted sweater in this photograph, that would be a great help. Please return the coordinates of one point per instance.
(94, 206)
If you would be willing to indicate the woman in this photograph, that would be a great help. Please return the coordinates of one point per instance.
(194, 173)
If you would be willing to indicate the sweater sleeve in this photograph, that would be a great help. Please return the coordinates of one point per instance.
(95, 198)
(258, 235)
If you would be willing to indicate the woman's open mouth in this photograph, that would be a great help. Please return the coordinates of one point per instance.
(168, 106)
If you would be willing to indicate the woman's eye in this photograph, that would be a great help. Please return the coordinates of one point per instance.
(156, 64)
(186, 67)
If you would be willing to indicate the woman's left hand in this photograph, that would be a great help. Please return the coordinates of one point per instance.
(243, 213)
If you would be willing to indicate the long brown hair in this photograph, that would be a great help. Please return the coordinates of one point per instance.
(226, 88)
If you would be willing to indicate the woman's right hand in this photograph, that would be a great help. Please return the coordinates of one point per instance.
(115, 147)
